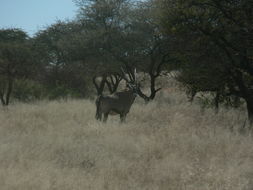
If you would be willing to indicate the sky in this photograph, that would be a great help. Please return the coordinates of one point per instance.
(34, 15)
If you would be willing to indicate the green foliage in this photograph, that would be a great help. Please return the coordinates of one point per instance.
(16, 60)
(214, 44)
(27, 90)
(12, 35)
(59, 92)
(106, 35)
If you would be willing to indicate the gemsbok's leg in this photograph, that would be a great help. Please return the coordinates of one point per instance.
(105, 117)
(122, 118)
(99, 116)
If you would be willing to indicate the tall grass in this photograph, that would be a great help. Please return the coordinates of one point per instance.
(167, 144)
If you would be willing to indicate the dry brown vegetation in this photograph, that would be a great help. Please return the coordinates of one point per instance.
(167, 144)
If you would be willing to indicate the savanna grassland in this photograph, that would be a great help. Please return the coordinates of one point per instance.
(167, 144)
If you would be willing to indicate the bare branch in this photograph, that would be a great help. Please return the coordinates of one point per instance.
(99, 86)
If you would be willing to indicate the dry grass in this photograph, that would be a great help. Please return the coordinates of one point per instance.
(167, 144)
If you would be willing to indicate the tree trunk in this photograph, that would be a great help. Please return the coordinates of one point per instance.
(152, 87)
(2, 99)
(216, 102)
(6, 93)
(249, 102)
(247, 95)
(9, 91)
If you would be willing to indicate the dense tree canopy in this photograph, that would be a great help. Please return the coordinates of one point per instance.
(216, 45)
(16, 60)
(125, 33)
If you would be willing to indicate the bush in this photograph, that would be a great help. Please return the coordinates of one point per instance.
(28, 90)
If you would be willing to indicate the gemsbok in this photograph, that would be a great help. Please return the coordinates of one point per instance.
(118, 102)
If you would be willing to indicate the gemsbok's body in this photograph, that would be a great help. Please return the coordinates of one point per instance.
(118, 102)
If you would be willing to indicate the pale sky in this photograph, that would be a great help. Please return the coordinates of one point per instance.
(33, 15)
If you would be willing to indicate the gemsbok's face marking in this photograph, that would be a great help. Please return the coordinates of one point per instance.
(118, 102)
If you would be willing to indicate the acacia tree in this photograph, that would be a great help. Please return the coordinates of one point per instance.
(16, 60)
(225, 28)
(125, 33)
(64, 58)
(153, 53)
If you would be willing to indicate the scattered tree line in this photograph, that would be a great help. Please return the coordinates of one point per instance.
(209, 43)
